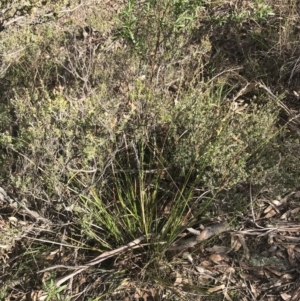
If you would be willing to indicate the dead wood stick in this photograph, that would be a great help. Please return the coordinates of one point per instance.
(95, 261)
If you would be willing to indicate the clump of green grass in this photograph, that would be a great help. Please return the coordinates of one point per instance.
(152, 185)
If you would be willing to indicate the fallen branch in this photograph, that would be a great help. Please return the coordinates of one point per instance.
(100, 258)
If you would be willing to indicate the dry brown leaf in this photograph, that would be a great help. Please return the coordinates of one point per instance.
(268, 209)
(205, 263)
(227, 276)
(286, 277)
(261, 202)
(203, 278)
(247, 277)
(200, 270)
(137, 293)
(13, 220)
(203, 271)
(188, 256)
(271, 214)
(216, 288)
(193, 231)
(230, 270)
(82, 280)
(235, 244)
(223, 268)
(285, 296)
(227, 297)
(274, 271)
(284, 215)
(272, 249)
(217, 249)
(241, 239)
(276, 203)
(178, 279)
(52, 254)
(295, 211)
(216, 258)
(273, 205)
(212, 230)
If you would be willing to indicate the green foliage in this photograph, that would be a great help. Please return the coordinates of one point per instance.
(125, 140)
(56, 141)
(263, 10)
(206, 143)
(259, 10)
(215, 139)
(53, 293)
(157, 19)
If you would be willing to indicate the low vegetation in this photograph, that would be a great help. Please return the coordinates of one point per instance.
(145, 144)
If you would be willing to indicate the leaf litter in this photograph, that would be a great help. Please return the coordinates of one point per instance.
(256, 260)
